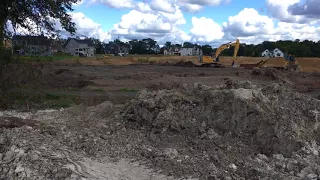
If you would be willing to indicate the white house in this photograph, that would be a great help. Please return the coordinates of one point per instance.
(172, 51)
(275, 53)
(191, 51)
(278, 53)
(266, 53)
(79, 47)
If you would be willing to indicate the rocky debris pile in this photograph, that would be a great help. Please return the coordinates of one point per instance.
(27, 153)
(233, 131)
(271, 74)
(225, 125)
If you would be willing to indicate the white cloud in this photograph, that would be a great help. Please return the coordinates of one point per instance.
(248, 23)
(78, 3)
(163, 5)
(279, 10)
(116, 3)
(307, 8)
(85, 26)
(197, 5)
(251, 27)
(143, 7)
(205, 30)
(162, 26)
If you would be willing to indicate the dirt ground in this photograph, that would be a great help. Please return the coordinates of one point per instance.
(307, 64)
(155, 121)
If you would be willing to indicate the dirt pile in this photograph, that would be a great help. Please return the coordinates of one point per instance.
(225, 125)
(271, 74)
(64, 78)
(185, 64)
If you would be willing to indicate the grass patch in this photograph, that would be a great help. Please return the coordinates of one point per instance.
(145, 61)
(128, 90)
(42, 101)
(37, 58)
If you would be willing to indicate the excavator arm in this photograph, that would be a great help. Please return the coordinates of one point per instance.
(227, 46)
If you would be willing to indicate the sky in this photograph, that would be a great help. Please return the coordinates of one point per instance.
(212, 22)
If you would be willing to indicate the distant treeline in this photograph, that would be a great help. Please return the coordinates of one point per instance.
(298, 48)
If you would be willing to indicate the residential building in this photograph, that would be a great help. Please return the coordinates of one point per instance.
(32, 45)
(79, 47)
(266, 53)
(278, 53)
(275, 53)
(117, 48)
(191, 51)
(175, 50)
(56, 47)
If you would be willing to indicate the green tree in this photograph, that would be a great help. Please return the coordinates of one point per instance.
(42, 12)
(207, 49)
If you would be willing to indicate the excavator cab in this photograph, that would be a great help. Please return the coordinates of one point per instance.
(290, 63)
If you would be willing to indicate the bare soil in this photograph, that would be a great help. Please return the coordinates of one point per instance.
(167, 122)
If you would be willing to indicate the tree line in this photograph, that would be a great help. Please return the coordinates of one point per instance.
(297, 47)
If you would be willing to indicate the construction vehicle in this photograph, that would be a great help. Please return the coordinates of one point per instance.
(291, 64)
(214, 61)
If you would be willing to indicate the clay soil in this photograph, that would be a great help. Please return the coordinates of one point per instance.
(111, 135)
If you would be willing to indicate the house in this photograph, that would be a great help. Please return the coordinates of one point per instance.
(191, 51)
(266, 53)
(277, 53)
(79, 47)
(117, 48)
(175, 50)
(32, 45)
(56, 47)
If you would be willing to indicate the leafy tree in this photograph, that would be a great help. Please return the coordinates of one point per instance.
(207, 49)
(42, 12)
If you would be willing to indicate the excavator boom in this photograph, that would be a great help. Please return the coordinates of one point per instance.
(227, 46)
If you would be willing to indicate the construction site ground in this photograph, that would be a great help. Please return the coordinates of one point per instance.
(167, 120)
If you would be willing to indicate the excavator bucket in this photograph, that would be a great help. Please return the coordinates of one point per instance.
(256, 65)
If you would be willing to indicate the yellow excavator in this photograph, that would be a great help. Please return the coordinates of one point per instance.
(214, 61)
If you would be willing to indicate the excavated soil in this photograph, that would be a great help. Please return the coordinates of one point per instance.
(234, 131)
(176, 122)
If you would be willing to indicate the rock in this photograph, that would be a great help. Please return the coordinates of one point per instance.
(102, 110)
(171, 153)
(312, 177)
(228, 178)
(8, 156)
(212, 134)
(233, 166)
(2, 140)
(19, 169)
(263, 157)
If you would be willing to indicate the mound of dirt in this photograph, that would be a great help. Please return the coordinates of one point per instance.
(185, 64)
(65, 78)
(271, 74)
(239, 118)
(233, 131)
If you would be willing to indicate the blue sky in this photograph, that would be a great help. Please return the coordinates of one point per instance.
(203, 21)
(107, 16)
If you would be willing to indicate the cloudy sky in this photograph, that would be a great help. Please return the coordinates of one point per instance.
(200, 21)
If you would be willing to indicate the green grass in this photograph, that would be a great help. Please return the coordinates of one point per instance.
(128, 90)
(55, 57)
(45, 100)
